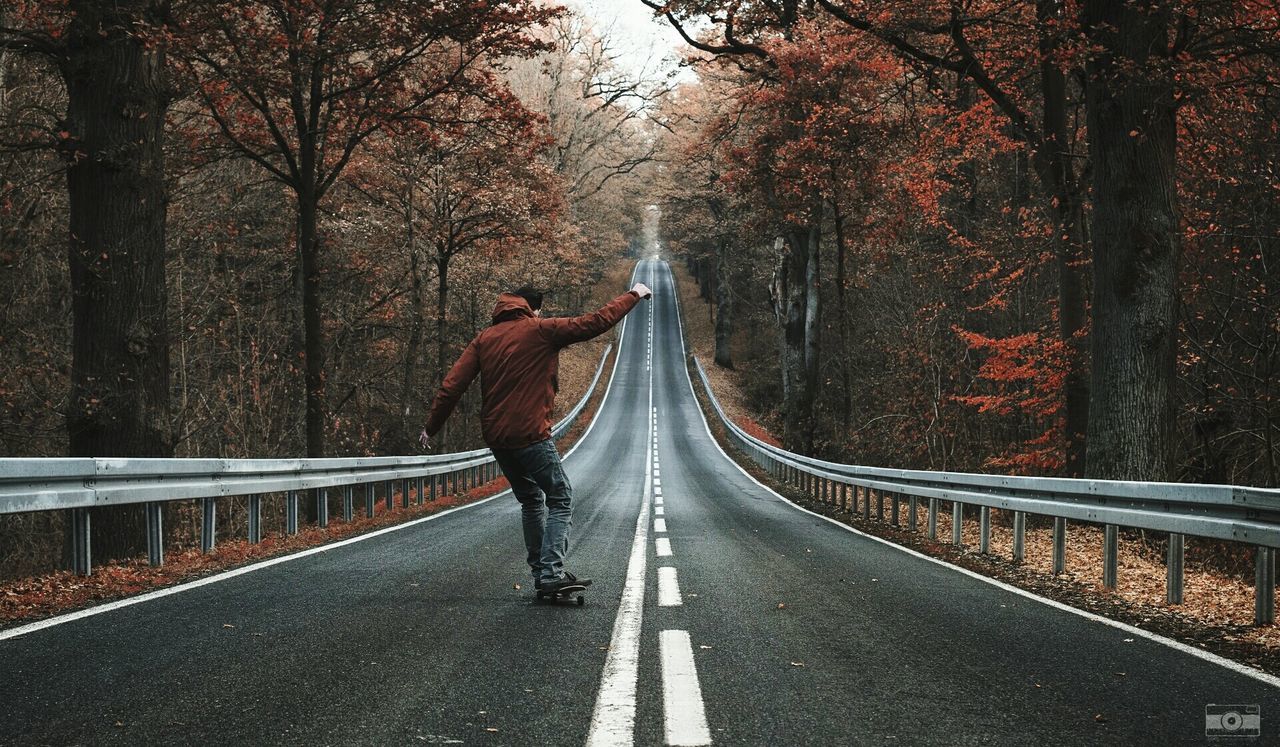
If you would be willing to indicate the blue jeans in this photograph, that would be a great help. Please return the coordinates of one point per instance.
(539, 483)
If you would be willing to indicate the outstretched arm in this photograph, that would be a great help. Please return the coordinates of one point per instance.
(455, 383)
(564, 332)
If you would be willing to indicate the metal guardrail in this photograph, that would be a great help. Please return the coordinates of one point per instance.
(1223, 512)
(80, 484)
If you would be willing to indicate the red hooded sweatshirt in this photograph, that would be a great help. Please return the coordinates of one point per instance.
(517, 359)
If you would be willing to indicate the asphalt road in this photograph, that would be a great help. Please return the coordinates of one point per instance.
(719, 613)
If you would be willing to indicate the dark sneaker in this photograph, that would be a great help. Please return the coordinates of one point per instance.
(567, 580)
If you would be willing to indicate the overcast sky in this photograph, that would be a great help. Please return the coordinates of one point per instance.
(631, 28)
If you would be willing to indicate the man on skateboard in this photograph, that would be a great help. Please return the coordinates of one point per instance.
(517, 359)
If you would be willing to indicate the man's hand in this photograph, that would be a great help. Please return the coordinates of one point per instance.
(424, 440)
(642, 290)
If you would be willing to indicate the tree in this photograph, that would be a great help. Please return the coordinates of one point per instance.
(112, 59)
(298, 86)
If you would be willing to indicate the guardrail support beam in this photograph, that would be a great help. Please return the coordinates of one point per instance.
(1110, 554)
(1059, 546)
(435, 487)
(1174, 560)
(404, 493)
(255, 519)
(879, 504)
(208, 524)
(866, 503)
(417, 493)
(1019, 536)
(389, 494)
(844, 497)
(913, 521)
(957, 523)
(291, 512)
(933, 518)
(81, 559)
(155, 533)
(370, 499)
(984, 530)
(322, 508)
(348, 503)
(1264, 599)
(893, 509)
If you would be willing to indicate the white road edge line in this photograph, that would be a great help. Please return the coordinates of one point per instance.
(686, 716)
(1210, 657)
(613, 720)
(668, 588)
(29, 628)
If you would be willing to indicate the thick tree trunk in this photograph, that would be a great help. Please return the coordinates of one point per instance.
(724, 306)
(116, 99)
(1131, 118)
(312, 328)
(796, 306)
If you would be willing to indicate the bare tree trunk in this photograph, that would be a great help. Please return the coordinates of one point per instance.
(116, 99)
(1058, 179)
(409, 399)
(796, 307)
(842, 327)
(724, 306)
(1131, 119)
(442, 317)
(312, 329)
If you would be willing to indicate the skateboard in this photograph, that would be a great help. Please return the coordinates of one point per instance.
(564, 595)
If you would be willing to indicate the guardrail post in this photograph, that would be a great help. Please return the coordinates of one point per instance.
(417, 493)
(1019, 535)
(984, 530)
(389, 494)
(348, 503)
(291, 512)
(370, 499)
(913, 522)
(155, 533)
(404, 493)
(1264, 593)
(957, 523)
(209, 524)
(1110, 553)
(844, 497)
(80, 545)
(879, 504)
(933, 518)
(255, 519)
(866, 503)
(322, 507)
(435, 487)
(1173, 569)
(1059, 546)
(893, 509)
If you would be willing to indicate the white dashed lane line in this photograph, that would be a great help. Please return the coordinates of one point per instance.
(686, 718)
(668, 588)
(662, 546)
(660, 526)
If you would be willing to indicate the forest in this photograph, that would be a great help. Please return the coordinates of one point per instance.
(1025, 237)
(1035, 237)
(266, 228)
